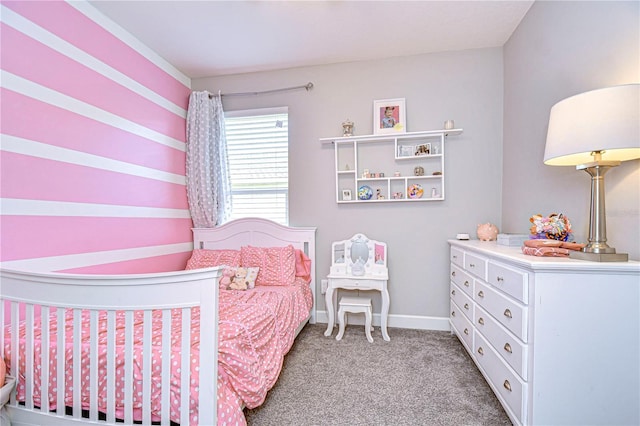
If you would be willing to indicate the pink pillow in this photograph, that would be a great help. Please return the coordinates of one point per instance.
(277, 264)
(202, 258)
(303, 266)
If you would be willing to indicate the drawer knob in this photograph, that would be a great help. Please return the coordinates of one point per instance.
(466, 306)
(455, 257)
(453, 274)
(466, 331)
(466, 283)
(507, 347)
(499, 279)
(471, 265)
(453, 313)
(481, 293)
(507, 385)
(507, 313)
(480, 350)
(481, 321)
(453, 292)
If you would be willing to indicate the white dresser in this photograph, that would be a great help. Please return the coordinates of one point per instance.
(557, 339)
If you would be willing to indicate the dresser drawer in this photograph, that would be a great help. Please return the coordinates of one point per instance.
(462, 326)
(508, 280)
(457, 256)
(507, 311)
(511, 349)
(476, 265)
(462, 279)
(463, 300)
(511, 389)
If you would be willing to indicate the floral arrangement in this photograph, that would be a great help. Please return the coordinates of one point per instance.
(554, 227)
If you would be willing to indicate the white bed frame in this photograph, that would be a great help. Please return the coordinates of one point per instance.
(162, 291)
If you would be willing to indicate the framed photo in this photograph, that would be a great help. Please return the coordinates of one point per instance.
(406, 150)
(346, 195)
(389, 116)
(423, 149)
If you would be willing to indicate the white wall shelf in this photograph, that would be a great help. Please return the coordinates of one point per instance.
(391, 161)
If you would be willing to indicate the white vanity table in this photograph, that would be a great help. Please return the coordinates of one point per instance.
(358, 264)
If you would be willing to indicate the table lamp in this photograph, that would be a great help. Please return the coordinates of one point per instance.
(595, 131)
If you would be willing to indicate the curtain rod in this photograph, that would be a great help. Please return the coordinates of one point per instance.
(307, 87)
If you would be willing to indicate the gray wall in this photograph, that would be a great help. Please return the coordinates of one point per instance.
(561, 49)
(466, 86)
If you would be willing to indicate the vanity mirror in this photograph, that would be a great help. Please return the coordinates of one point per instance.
(359, 249)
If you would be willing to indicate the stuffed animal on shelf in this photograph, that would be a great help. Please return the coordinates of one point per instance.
(239, 280)
(225, 279)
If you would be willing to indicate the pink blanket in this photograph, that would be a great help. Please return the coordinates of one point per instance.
(256, 330)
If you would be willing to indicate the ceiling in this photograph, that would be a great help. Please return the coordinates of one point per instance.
(213, 38)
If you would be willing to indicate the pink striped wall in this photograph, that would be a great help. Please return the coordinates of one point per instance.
(92, 158)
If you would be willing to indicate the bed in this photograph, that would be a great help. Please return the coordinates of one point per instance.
(165, 348)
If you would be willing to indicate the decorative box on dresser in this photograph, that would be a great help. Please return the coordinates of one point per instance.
(557, 339)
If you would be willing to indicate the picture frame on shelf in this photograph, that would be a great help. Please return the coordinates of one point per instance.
(423, 149)
(406, 150)
(389, 116)
(346, 195)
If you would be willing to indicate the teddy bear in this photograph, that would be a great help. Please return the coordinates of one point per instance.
(239, 280)
(225, 279)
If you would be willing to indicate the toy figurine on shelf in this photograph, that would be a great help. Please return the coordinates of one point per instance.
(379, 195)
(347, 128)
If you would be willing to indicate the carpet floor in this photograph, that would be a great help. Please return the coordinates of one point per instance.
(420, 377)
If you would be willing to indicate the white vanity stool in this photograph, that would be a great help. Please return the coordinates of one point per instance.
(355, 305)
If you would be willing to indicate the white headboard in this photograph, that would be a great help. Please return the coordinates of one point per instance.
(260, 233)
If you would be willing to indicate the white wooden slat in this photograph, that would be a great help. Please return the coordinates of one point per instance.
(185, 354)
(77, 363)
(128, 367)
(45, 359)
(15, 351)
(111, 366)
(166, 367)
(61, 363)
(146, 368)
(3, 306)
(208, 362)
(28, 361)
(93, 365)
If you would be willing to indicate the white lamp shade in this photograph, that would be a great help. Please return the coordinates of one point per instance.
(600, 120)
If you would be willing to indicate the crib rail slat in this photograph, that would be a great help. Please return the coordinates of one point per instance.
(60, 362)
(111, 370)
(77, 363)
(185, 357)
(28, 361)
(45, 331)
(128, 367)
(15, 351)
(147, 356)
(166, 367)
(93, 365)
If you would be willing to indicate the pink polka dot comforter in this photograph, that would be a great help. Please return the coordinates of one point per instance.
(256, 329)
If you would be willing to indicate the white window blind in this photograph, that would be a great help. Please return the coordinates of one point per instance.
(258, 150)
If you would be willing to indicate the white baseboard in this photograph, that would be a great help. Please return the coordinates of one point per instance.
(399, 321)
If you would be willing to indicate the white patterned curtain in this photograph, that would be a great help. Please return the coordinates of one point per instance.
(208, 185)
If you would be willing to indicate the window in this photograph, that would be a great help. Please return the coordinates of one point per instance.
(258, 150)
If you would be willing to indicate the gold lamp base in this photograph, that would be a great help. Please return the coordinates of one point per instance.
(599, 257)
